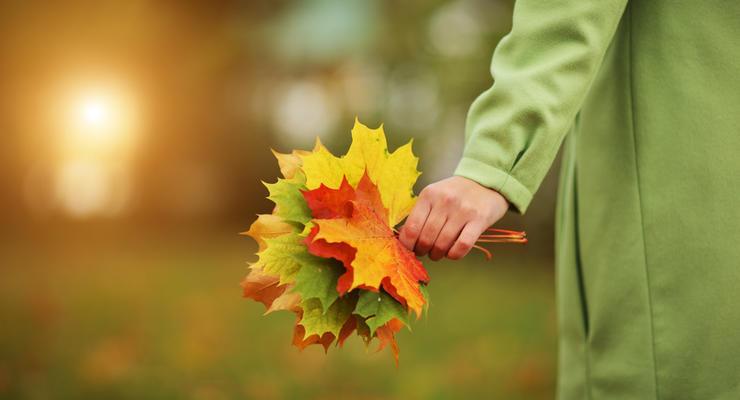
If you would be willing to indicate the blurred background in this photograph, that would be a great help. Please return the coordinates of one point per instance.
(135, 136)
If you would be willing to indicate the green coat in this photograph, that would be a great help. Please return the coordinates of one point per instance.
(648, 224)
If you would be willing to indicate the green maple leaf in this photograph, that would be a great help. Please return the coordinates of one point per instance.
(319, 281)
(285, 255)
(317, 322)
(286, 194)
(378, 308)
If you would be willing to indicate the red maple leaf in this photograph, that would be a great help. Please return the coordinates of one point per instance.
(350, 225)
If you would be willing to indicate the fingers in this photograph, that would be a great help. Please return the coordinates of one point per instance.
(449, 217)
(429, 233)
(414, 224)
(446, 238)
(467, 238)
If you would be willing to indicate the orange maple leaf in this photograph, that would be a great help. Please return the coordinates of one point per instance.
(267, 290)
(350, 225)
(300, 341)
(347, 329)
(262, 287)
(387, 336)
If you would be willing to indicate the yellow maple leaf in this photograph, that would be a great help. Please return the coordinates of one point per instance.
(393, 173)
(289, 163)
(267, 226)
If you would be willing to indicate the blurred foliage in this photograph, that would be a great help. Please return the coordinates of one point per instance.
(218, 84)
(128, 317)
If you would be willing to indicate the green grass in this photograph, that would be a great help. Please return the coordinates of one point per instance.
(108, 315)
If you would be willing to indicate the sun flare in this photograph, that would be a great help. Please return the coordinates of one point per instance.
(94, 112)
(100, 121)
(95, 148)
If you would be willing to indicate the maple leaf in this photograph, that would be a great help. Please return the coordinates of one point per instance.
(394, 173)
(317, 322)
(349, 326)
(355, 324)
(387, 336)
(385, 333)
(358, 235)
(284, 256)
(378, 308)
(262, 287)
(302, 341)
(290, 163)
(325, 202)
(268, 226)
(286, 194)
(267, 290)
(318, 281)
(287, 301)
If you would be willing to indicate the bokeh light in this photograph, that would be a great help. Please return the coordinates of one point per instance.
(95, 112)
(95, 150)
(85, 188)
(99, 122)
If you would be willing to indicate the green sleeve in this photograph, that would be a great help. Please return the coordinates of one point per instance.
(542, 71)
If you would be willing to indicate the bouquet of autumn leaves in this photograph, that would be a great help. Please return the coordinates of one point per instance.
(329, 251)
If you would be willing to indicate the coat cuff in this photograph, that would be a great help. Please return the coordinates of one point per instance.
(497, 179)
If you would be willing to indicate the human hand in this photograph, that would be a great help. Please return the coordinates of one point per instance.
(450, 216)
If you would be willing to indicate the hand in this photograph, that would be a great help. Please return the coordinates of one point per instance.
(450, 216)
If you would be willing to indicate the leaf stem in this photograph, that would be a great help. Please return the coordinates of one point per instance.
(485, 251)
(506, 231)
(485, 240)
(496, 235)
